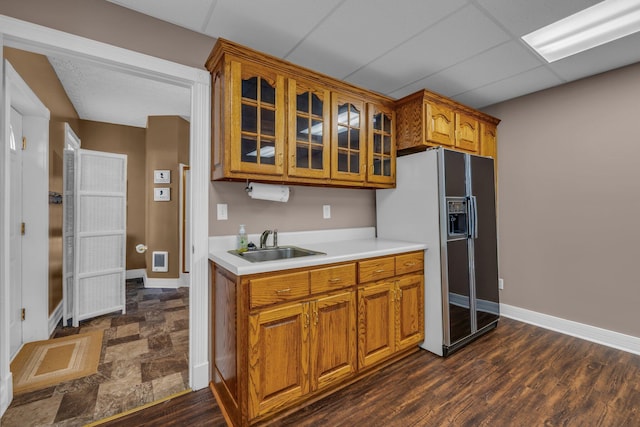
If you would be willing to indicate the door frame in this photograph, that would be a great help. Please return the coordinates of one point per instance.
(35, 38)
(35, 188)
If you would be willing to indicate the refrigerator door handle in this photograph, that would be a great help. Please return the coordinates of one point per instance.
(474, 215)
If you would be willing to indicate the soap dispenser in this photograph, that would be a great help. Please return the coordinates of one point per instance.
(242, 239)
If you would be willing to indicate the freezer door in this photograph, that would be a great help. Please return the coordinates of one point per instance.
(485, 245)
(458, 296)
(454, 174)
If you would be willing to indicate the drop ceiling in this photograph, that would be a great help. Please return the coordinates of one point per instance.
(470, 51)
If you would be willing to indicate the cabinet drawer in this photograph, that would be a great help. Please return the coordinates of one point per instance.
(330, 278)
(376, 269)
(408, 263)
(274, 289)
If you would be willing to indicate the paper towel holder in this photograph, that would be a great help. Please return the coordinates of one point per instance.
(280, 190)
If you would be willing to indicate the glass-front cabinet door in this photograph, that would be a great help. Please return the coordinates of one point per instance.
(382, 145)
(308, 142)
(348, 148)
(257, 120)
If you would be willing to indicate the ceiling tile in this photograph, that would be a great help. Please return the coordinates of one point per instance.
(461, 35)
(191, 14)
(612, 55)
(520, 17)
(495, 64)
(511, 87)
(109, 96)
(264, 25)
(362, 30)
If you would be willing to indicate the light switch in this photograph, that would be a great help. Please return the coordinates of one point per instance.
(162, 176)
(162, 194)
(222, 211)
(326, 211)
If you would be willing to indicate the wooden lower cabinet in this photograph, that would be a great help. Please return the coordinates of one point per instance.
(390, 318)
(273, 354)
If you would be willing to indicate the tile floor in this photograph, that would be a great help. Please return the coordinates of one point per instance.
(144, 358)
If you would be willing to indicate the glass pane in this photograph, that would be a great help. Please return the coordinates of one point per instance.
(267, 92)
(302, 129)
(355, 139)
(302, 157)
(316, 105)
(387, 167)
(343, 116)
(267, 122)
(377, 121)
(316, 131)
(387, 123)
(316, 158)
(343, 161)
(302, 103)
(249, 118)
(377, 167)
(250, 88)
(387, 145)
(354, 163)
(354, 117)
(377, 143)
(248, 149)
(343, 137)
(267, 152)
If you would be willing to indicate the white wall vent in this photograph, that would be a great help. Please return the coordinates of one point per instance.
(160, 261)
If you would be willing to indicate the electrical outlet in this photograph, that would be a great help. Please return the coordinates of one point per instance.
(500, 283)
(222, 211)
(326, 211)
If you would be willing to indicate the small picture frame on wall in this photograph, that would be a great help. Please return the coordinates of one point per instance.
(161, 176)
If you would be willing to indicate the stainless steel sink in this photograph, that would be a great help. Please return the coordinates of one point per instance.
(273, 254)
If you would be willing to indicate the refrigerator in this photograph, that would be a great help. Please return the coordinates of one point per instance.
(446, 199)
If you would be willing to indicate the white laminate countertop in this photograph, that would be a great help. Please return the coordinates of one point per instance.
(338, 245)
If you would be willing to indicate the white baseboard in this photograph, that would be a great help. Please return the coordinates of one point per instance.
(6, 392)
(200, 376)
(150, 282)
(594, 334)
(138, 273)
(55, 318)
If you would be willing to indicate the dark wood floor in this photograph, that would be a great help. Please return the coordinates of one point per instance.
(517, 375)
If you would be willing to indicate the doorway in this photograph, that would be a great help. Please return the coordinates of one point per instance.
(30, 37)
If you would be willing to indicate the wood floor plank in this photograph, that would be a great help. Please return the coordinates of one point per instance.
(517, 375)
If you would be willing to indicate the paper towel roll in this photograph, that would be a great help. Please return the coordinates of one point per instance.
(276, 193)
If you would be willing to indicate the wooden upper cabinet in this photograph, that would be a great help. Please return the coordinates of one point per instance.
(348, 147)
(309, 109)
(279, 122)
(467, 133)
(489, 140)
(257, 120)
(426, 119)
(440, 124)
(381, 157)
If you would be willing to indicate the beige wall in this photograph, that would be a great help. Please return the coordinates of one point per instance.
(167, 137)
(130, 141)
(303, 211)
(115, 25)
(569, 200)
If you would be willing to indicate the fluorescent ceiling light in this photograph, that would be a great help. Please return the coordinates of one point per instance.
(268, 151)
(599, 24)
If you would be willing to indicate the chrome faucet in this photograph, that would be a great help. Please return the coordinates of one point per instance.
(265, 235)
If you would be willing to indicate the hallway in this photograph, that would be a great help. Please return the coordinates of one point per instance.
(144, 358)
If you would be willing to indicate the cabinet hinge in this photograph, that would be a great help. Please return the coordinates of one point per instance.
(24, 313)
(23, 228)
(24, 143)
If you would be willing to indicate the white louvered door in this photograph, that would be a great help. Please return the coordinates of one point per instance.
(67, 234)
(100, 234)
